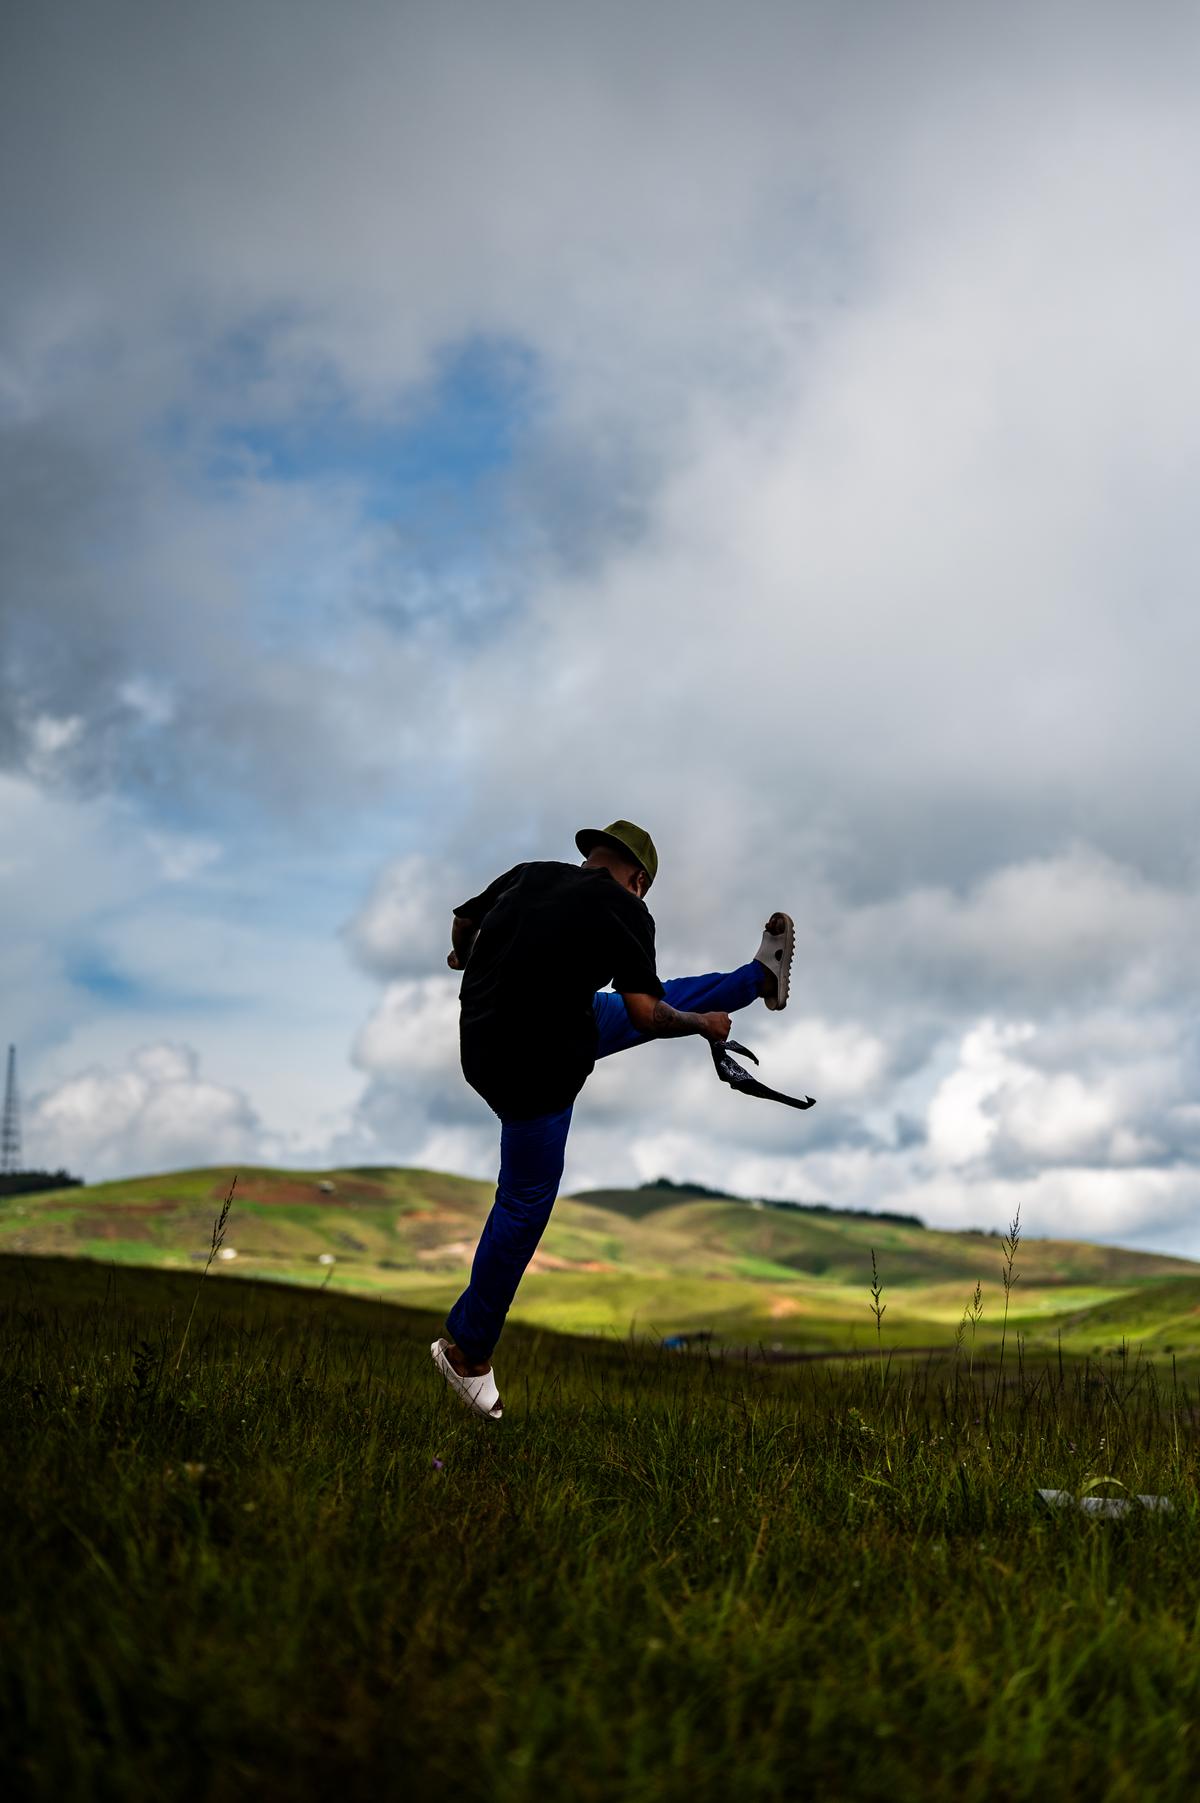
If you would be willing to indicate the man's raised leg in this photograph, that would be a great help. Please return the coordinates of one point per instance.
(719, 991)
(722, 992)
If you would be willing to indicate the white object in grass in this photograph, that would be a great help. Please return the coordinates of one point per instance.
(1106, 1507)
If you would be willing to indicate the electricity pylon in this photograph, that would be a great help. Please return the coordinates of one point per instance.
(10, 1132)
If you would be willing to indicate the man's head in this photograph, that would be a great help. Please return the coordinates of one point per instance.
(624, 850)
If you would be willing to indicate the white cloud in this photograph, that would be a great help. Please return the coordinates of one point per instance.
(158, 1113)
(403, 927)
(1075, 924)
(149, 700)
(1050, 1117)
(1153, 1208)
(413, 1031)
(841, 1059)
(961, 1129)
(49, 737)
(182, 857)
(1060, 1119)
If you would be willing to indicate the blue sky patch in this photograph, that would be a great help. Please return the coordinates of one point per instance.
(94, 973)
(457, 429)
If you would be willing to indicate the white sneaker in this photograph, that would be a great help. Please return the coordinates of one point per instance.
(479, 1393)
(776, 953)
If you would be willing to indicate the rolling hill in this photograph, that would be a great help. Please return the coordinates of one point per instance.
(654, 1261)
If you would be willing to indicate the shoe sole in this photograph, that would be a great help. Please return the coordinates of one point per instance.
(783, 975)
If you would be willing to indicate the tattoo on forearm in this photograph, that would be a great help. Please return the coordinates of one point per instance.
(669, 1020)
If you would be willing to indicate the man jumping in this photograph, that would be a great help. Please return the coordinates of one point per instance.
(537, 948)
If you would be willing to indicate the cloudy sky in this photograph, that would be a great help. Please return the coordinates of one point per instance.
(428, 429)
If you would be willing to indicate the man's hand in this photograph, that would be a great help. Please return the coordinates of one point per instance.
(463, 933)
(715, 1026)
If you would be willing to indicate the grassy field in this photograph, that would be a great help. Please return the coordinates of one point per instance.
(293, 1567)
(649, 1262)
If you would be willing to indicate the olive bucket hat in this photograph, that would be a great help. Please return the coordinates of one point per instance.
(625, 837)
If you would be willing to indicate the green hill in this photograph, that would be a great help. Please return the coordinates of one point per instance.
(655, 1261)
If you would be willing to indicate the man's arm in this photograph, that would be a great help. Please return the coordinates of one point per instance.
(470, 915)
(462, 938)
(658, 1020)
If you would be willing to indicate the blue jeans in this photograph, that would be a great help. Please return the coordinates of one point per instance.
(532, 1154)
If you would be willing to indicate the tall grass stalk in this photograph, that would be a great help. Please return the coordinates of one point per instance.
(973, 1313)
(1012, 1240)
(220, 1222)
(878, 1309)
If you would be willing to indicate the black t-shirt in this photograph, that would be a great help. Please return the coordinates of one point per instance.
(550, 936)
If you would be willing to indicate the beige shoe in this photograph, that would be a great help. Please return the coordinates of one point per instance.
(776, 953)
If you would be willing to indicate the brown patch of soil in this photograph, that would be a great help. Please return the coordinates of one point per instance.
(269, 1192)
(456, 1249)
(549, 1261)
(109, 1227)
(292, 1189)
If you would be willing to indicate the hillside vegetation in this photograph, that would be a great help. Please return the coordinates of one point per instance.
(651, 1262)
